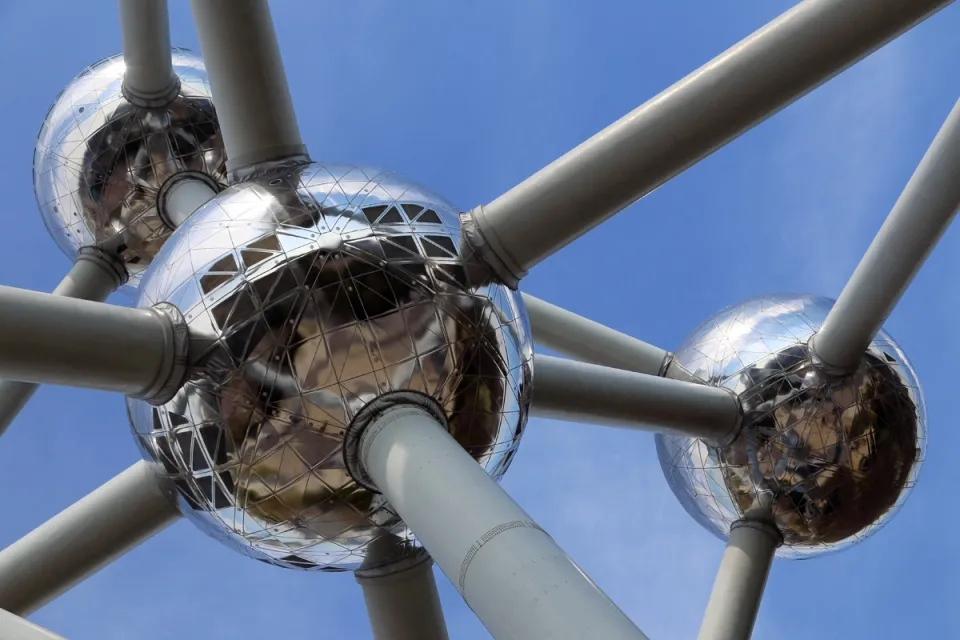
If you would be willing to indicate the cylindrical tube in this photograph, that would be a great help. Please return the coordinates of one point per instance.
(921, 215)
(83, 538)
(181, 195)
(249, 85)
(149, 79)
(94, 277)
(16, 628)
(581, 339)
(740, 582)
(403, 603)
(732, 93)
(50, 339)
(582, 392)
(511, 573)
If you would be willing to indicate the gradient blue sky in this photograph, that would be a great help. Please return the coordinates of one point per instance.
(470, 98)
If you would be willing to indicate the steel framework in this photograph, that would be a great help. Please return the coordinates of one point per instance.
(508, 569)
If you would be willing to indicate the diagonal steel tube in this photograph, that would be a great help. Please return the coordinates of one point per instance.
(743, 86)
(921, 215)
(83, 538)
(51, 339)
(149, 80)
(582, 339)
(582, 392)
(94, 276)
(249, 85)
(16, 628)
(510, 571)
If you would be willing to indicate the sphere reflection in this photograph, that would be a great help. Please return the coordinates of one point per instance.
(834, 458)
(100, 161)
(310, 291)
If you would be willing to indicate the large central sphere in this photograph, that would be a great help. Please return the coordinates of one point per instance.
(833, 457)
(310, 291)
(100, 161)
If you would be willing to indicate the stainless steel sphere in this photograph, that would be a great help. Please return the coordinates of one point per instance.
(310, 291)
(100, 161)
(835, 458)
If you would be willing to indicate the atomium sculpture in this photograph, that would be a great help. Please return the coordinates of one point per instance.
(330, 366)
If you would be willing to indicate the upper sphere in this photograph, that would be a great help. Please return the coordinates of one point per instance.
(100, 160)
(835, 457)
(309, 291)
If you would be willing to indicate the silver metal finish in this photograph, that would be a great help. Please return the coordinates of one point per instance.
(100, 160)
(511, 573)
(15, 628)
(834, 458)
(83, 538)
(738, 589)
(50, 339)
(921, 215)
(743, 86)
(402, 599)
(256, 113)
(94, 276)
(309, 291)
(581, 339)
(149, 80)
(582, 392)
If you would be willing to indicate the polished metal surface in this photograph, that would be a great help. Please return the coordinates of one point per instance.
(833, 458)
(309, 291)
(100, 160)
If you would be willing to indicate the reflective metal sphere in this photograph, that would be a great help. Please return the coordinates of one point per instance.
(100, 161)
(835, 458)
(309, 291)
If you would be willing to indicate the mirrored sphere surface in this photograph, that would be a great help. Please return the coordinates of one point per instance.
(835, 458)
(99, 160)
(310, 291)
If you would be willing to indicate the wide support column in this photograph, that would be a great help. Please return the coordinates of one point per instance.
(732, 93)
(581, 392)
(581, 339)
(510, 572)
(149, 80)
(94, 276)
(16, 628)
(249, 85)
(921, 215)
(402, 599)
(51, 339)
(83, 538)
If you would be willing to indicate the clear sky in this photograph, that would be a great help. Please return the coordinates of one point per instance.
(470, 98)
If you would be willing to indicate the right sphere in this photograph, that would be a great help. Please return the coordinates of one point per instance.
(834, 458)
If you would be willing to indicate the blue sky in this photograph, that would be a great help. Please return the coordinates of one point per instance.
(471, 98)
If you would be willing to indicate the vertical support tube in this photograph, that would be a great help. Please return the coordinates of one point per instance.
(402, 600)
(249, 85)
(83, 538)
(921, 215)
(581, 339)
(740, 582)
(149, 80)
(509, 570)
(94, 276)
